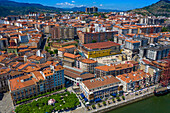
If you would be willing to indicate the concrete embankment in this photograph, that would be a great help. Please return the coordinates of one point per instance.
(122, 103)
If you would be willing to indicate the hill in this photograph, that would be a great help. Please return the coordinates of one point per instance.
(161, 8)
(15, 8)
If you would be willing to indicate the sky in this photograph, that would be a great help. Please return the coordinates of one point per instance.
(102, 4)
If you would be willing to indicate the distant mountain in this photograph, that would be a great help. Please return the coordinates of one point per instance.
(84, 8)
(8, 7)
(161, 8)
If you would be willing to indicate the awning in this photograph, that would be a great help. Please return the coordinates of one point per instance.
(97, 100)
(114, 94)
(85, 99)
(82, 95)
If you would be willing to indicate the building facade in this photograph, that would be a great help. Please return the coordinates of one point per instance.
(100, 49)
(89, 37)
(100, 87)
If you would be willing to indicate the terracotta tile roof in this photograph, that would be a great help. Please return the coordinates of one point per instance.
(132, 41)
(2, 58)
(69, 55)
(88, 61)
(34, 57)
(61, 49)
(12, 47)
(71, 46)
(38, 75)
(99, 82)
(24, 50)
(18, 83)
(22, 46)
(114, 67)
(47, 72)
(100, 45)
(15, 72)
(4, 70)
(133, 76)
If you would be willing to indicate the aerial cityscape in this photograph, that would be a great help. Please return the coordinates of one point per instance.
(90, 56)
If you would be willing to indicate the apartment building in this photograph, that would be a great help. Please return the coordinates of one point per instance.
(36, 82)
(114, 69)
(155, 51)
(155, 68)
(89, 37)
(100, 49)
(87, 65)
(70, 59)
(135, 80)
(63, 32)
(91, 10)
(22, 87)
(132, 45)
(100, 87)
(66, 49)
(4, 79)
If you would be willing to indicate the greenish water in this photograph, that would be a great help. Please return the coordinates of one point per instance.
(154, 104)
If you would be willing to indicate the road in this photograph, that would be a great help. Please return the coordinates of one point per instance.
(6, 105)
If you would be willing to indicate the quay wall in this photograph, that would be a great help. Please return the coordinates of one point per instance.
(123, 103)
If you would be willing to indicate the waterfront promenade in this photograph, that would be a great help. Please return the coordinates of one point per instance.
(131, 98)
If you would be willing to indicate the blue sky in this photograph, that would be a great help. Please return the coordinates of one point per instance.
(102, 4)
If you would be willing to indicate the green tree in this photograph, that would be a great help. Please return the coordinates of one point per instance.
(48, 44)
(47, 48)
(104, 103)
(51, 52)
(94, 41)
(55, 51)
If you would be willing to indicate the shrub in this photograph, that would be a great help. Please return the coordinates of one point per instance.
(123, 97)
(18, 102)
(93, 106)
(113, 100)
(118, 98)
(104, 103)
(98, 105)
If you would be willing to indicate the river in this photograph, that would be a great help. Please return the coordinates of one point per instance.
(153, 104)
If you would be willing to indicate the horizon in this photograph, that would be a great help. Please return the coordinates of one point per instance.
(101, 4)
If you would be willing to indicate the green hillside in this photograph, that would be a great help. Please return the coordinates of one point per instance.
(161, 8)
(14, 8)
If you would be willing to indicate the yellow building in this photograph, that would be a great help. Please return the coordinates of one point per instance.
(100, 49)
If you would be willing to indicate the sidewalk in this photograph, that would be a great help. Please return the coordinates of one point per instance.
(128, 98)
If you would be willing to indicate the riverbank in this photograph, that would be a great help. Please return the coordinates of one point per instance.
(132, 98)
(123, 103)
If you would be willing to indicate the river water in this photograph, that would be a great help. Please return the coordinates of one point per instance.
(153, 104)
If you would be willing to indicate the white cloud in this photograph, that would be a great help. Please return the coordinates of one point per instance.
(81, 6)
(59, 3)
(101, 5)
(73, 1)
(65, 4)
